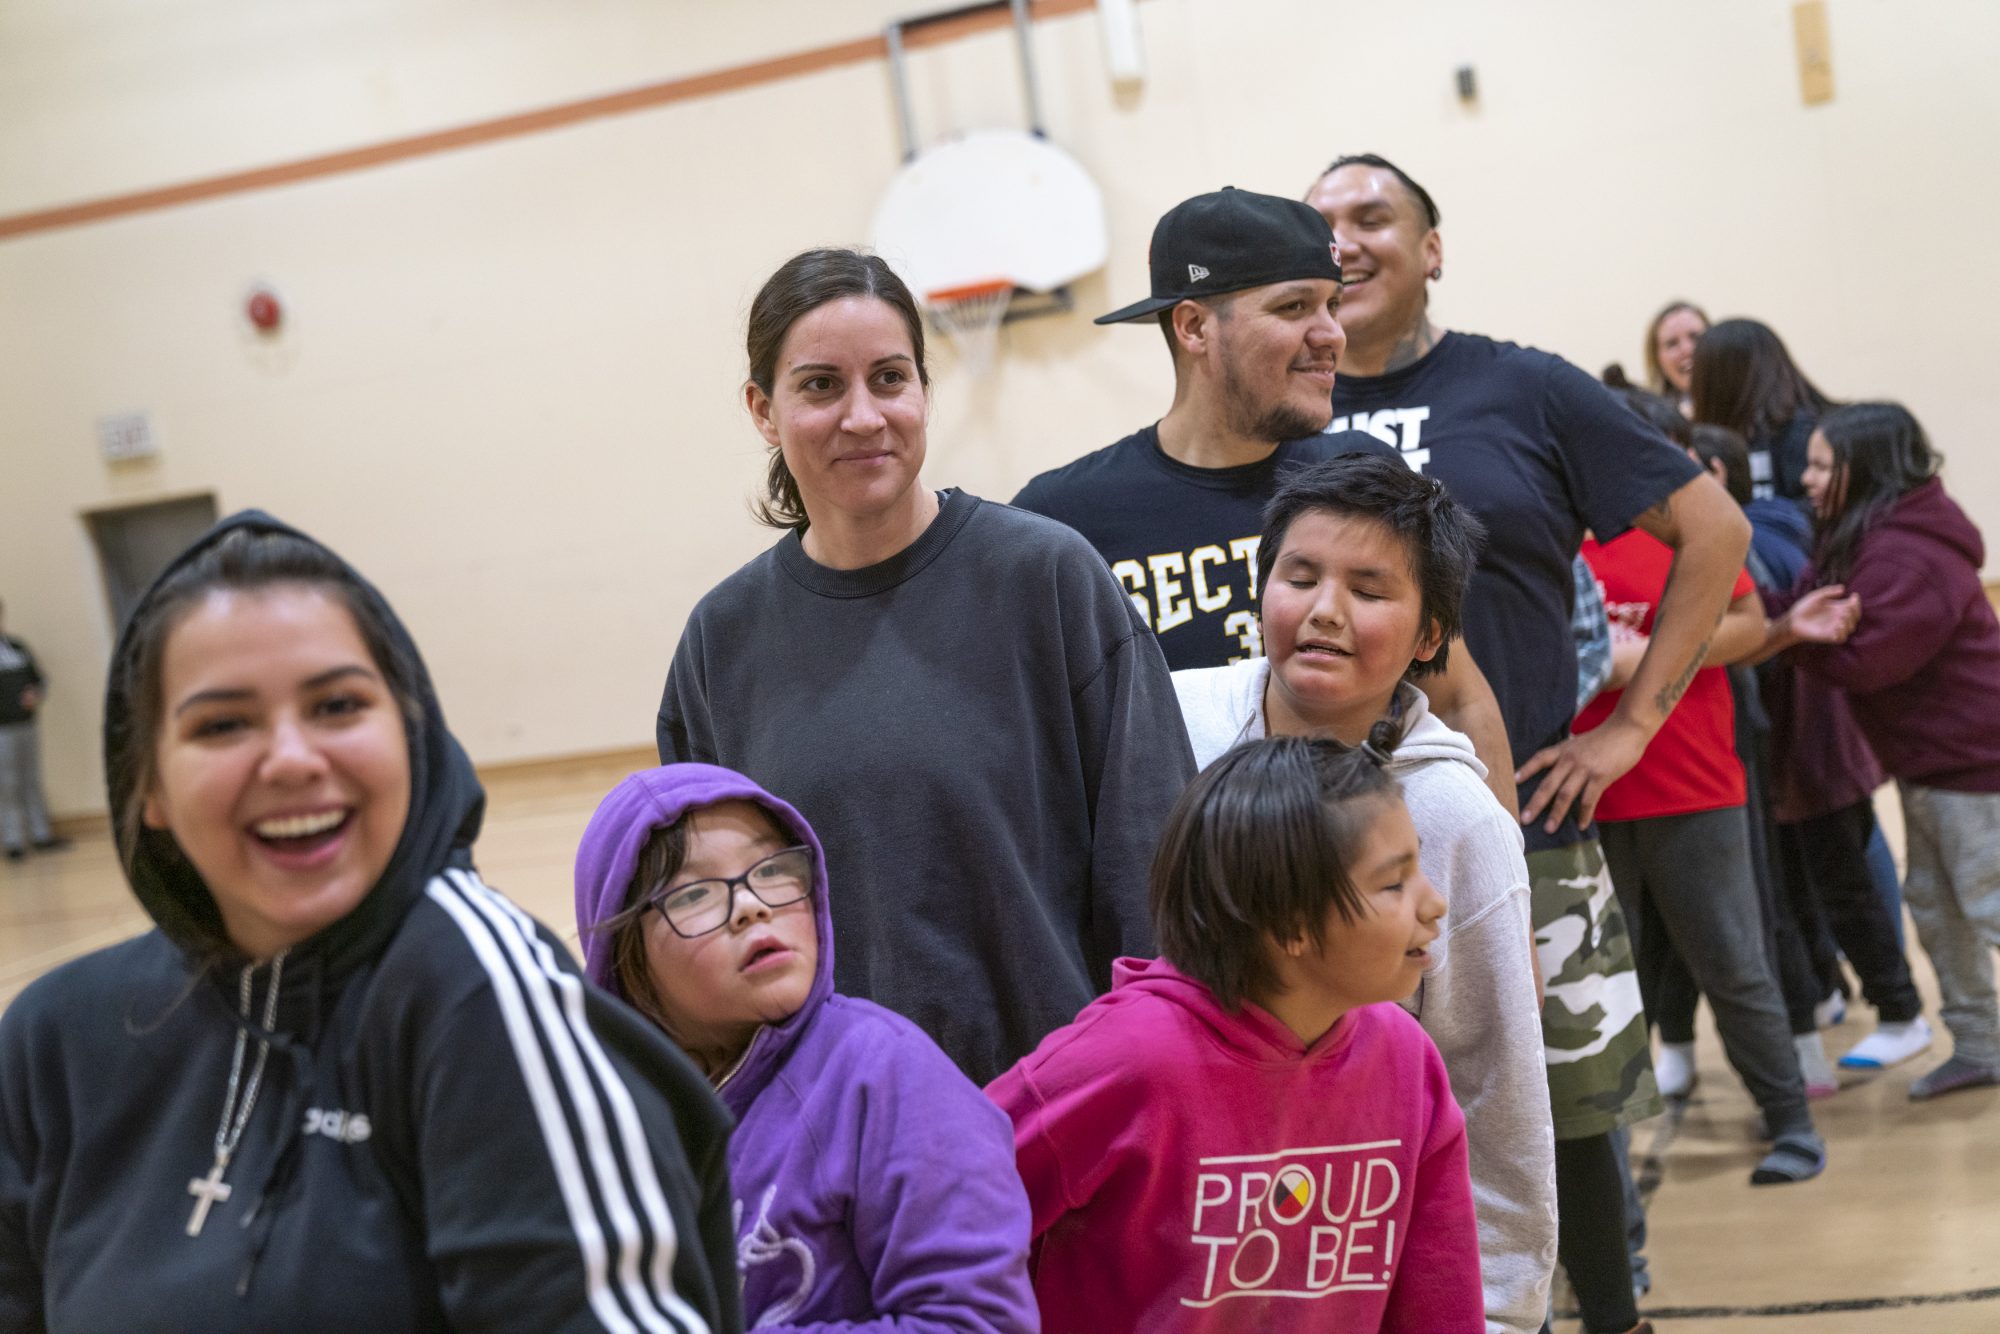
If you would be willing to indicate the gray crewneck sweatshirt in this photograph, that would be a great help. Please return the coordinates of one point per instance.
(1477, 1000)
(982, 730)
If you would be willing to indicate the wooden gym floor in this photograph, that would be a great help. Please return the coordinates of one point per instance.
(1900, 1234)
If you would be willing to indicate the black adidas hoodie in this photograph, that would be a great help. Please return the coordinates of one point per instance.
(455, 1130)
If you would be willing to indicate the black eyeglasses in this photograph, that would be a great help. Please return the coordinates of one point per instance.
(702, 906)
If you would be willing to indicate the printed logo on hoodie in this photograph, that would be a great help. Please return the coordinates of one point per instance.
(346, 1127)
(1301, 1223)
(763, 1244)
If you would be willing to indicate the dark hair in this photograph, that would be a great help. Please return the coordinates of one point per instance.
(1745, 379)
(1656, 376)
(1256, 851)
(243, 560)
(1880, 454)
(1222, 303)
(803, 284)
(1441, 537)
(1657, 412)
(1417, 192)
(1719, 442)
(659, 861)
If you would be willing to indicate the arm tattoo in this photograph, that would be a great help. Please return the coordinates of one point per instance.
(1670, 693)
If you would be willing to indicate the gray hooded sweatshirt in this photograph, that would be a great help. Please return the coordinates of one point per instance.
(1477, 1000)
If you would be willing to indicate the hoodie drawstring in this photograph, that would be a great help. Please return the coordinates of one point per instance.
(262, 1215)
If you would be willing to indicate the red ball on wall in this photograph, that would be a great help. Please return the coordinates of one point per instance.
(264, 311)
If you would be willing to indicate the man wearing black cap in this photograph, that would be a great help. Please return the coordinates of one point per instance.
(1245, 287)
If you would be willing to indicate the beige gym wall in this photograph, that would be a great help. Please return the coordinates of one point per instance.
(508, 384)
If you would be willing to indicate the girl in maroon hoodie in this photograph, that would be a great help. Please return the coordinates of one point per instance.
(1921, 666)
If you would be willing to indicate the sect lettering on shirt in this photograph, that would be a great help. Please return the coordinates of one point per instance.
(1300, 1223)
(1169, 587)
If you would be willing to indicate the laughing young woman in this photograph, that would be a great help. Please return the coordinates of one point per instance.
(343, 1085)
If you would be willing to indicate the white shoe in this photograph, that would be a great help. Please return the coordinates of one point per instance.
(1889, 1044)
(1821, 1082)
(1674, 1069)
(1831, 1012)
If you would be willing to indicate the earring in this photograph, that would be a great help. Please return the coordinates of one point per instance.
(1437, 273)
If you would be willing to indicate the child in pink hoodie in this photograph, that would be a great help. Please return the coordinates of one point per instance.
(1243, 1135)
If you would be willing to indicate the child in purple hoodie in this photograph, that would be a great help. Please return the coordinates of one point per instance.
(875, 1185)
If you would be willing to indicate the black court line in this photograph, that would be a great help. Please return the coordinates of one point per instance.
(1651, 1170)
(1812, 1308)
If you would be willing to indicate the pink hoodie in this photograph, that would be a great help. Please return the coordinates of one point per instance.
(1190, 1168)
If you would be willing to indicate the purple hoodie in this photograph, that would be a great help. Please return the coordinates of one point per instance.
(875, 1185)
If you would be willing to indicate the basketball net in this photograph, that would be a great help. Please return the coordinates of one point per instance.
(970, 316)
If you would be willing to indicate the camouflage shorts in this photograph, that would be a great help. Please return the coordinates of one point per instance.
(1593, 1024)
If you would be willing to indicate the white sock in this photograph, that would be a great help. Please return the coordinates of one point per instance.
(1889, 1044)
(1674, 1069)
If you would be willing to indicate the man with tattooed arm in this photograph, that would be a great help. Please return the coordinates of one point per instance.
(1541, 453)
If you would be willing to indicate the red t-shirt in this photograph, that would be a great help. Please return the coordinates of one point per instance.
(1691, 764)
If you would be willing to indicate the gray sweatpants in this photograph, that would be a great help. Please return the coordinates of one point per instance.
(1952, 889)
(1686, 879)
(23, 817)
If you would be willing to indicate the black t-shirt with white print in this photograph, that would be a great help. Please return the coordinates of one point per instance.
(1540, 452)
(1182, 540)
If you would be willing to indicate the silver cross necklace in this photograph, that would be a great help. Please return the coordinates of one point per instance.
(210, 1190)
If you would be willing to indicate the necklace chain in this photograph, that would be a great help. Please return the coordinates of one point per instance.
(227, 1136)
(211, 1189)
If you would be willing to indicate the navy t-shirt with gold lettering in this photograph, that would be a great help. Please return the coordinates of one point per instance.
(1182, 540)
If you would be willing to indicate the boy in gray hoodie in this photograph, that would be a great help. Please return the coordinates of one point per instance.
(1361, 574)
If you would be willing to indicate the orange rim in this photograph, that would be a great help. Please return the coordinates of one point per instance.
(944, 296)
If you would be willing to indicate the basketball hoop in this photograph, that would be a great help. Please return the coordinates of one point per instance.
(970, 316)
(989, 225)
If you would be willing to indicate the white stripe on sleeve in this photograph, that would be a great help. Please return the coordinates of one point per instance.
(545, 975)
(524, 1016)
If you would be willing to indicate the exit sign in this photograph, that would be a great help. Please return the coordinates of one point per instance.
(127, 435)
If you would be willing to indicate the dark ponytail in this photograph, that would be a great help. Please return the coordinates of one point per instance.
(1380, 744)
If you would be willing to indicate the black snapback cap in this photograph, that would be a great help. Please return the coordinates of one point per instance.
(1230, 240)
